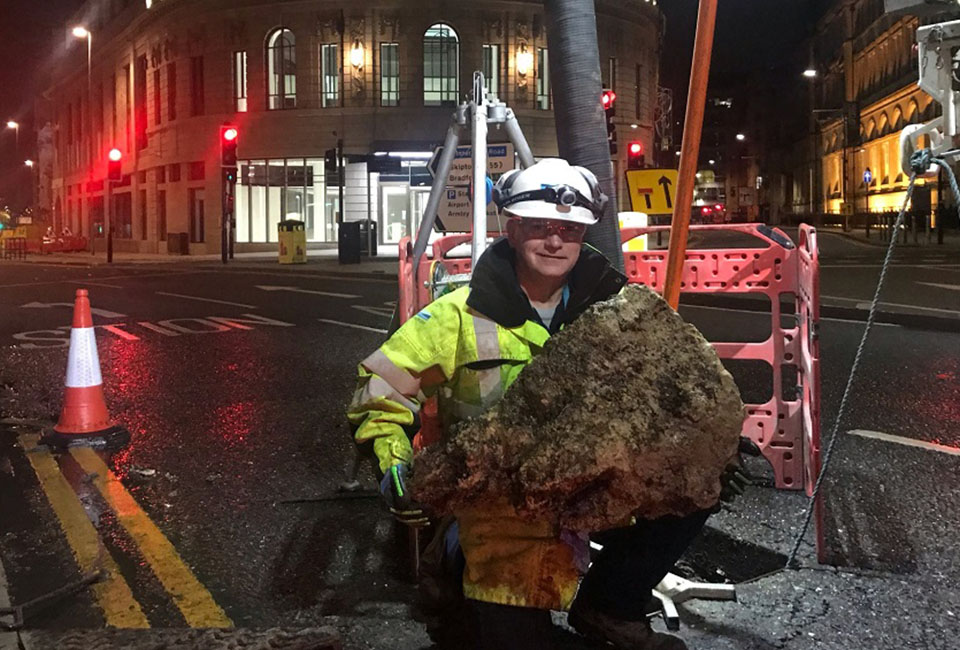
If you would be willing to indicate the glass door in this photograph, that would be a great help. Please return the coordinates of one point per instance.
(395, 208)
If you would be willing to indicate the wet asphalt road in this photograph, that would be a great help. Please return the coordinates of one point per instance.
(239, 444)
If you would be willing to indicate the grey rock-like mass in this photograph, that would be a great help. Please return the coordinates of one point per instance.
(628, 411)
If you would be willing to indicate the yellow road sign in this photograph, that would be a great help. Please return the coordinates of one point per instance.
(652, 190)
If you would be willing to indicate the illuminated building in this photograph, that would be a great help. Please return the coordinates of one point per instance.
(296, 77)
(863, 92)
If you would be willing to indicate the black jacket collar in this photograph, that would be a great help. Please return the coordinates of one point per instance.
(495, 292)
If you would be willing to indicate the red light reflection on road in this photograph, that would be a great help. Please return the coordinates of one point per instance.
(938, 402)
(235, 421)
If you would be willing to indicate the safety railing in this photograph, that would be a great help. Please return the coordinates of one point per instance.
(13, 248)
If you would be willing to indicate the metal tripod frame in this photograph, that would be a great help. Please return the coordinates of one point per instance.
(479, 113)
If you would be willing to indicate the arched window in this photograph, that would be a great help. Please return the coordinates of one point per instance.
(913, 111)
(897, 121)
(281, 70)
(441, 65)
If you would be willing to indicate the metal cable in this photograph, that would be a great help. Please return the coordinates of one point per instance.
(920, 162)
(792, 559)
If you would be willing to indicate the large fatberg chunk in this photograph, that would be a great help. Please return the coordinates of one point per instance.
(628, 411)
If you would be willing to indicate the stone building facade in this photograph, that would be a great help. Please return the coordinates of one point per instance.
(295, 77)
(864, 94)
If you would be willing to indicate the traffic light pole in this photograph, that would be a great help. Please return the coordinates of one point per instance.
(108, 218)
(340, 172)
(226, 222)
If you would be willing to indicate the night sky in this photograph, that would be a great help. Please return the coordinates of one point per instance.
(750, 33)
(27, 27)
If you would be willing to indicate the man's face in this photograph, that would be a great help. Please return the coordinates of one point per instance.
(546, 247)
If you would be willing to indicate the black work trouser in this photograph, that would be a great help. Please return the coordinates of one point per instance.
(503, 627)
(633, 561)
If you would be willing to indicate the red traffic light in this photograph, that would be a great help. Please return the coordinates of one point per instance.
(608, 97)
(115, 155)
(230, 134)
(635, 158)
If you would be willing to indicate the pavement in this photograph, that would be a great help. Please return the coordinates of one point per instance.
(385, 261)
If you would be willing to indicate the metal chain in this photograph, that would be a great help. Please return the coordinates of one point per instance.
(920, 162)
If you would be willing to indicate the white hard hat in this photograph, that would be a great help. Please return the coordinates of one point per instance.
(551, 189)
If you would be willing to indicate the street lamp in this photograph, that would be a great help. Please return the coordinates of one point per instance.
(33, 181)
(741, 137)
(810, 73)
(82, 32)
(16, 130)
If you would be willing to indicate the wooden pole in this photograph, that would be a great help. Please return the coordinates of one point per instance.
(690, 149)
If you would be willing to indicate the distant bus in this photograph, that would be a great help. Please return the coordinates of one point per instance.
(709, 203)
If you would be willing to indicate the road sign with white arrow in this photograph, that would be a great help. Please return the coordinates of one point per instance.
(331, 294)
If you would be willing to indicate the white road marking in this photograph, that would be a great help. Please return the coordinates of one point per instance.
(354, 325)
(331, 294)
(105, 313)
(112, 277)
(221, 302)
(57, 338)
(860, 303)
(938, 285)
(317, 276)
(157, 328)
(846, 239)
(767, 315)
(119, 332)
(376, 311)
(95, 284)
(908, 442)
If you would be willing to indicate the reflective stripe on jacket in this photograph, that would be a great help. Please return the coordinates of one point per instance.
(467, 348)
(447, 349)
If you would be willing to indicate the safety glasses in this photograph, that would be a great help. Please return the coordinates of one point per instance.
(568, 231)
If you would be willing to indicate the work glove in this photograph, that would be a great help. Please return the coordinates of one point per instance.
(735, 478)
(393, 490)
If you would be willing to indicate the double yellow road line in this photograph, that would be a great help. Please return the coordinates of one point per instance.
(114, 596)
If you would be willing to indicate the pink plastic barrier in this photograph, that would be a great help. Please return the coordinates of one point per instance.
(786, 428)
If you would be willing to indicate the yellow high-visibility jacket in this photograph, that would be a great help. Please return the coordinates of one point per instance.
(467, 348)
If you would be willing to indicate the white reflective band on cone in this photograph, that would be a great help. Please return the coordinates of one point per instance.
(83, 364)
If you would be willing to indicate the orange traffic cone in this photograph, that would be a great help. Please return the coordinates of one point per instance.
(84, 419)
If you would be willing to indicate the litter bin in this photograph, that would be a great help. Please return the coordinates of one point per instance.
(348, 242)
(293, 242)
(368, 237)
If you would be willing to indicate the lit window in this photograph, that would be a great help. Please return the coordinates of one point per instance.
(543, 80)
(240, 82)
(330, 72)
(389, 75)
(491, 68)
(441, 65)
(281, 70)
